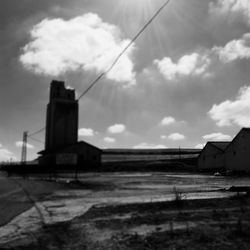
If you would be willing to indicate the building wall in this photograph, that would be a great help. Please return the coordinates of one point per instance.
(211, 158)
(46, 160)
(87, 155)
(237, 155)
(62, 117)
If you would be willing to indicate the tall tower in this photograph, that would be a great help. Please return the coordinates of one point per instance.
(62, 117)
(24, 148)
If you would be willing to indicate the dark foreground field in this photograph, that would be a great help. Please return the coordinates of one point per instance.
(199, 224)
(153, 210)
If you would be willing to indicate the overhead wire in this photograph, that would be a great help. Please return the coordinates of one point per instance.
(36, 140)
(115, 61)
(90, 87)
(37, 132)
(125, 49)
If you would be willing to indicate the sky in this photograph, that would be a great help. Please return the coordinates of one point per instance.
(185, 81)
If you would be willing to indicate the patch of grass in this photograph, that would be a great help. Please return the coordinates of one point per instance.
(178, 197)
(205, 237)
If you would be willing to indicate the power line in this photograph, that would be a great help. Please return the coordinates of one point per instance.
(37, 132)
(34, 139)
(125, 49)
(113, 64)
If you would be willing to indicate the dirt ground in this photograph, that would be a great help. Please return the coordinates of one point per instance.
(199, 224)
(18, 195)
(127, 211)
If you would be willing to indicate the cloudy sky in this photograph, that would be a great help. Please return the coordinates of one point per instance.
(183, 82)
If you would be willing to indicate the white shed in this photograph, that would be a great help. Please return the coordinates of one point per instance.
(212, 156)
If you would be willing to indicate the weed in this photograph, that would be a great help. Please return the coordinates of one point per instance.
(178, 197)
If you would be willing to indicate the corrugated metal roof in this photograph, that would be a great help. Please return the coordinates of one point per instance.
(152, 151)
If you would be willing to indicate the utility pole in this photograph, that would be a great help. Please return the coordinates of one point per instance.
(24, 148)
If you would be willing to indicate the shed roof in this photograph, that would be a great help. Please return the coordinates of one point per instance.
(86, 143)
(221, 145)
(243, 130)
(151, 151)
(68, 146)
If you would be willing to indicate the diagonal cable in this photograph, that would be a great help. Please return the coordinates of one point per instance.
(34, 139)
(36, 132)
(125, 49)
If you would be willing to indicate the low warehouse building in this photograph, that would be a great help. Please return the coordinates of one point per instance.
(82, 154)
(212, 156)
(237, 154)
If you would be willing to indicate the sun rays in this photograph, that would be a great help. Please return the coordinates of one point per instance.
(131, 14)
(140, 6)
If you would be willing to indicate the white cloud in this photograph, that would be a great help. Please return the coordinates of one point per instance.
(188, 65)
(230, 112)
(236, 49)
(6, 155)
(145, 145)
(19, 144)
(176, 137)
(226, 7)
(87, 132)
(217, 137)
(1, 145)
(84, 42)
(109, 139)
(117, 129)
(167, 121)
(199, 146)
(163, 137)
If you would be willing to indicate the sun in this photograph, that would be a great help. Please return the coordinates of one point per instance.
(131, 15)
(135, 12)
(136, 4)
